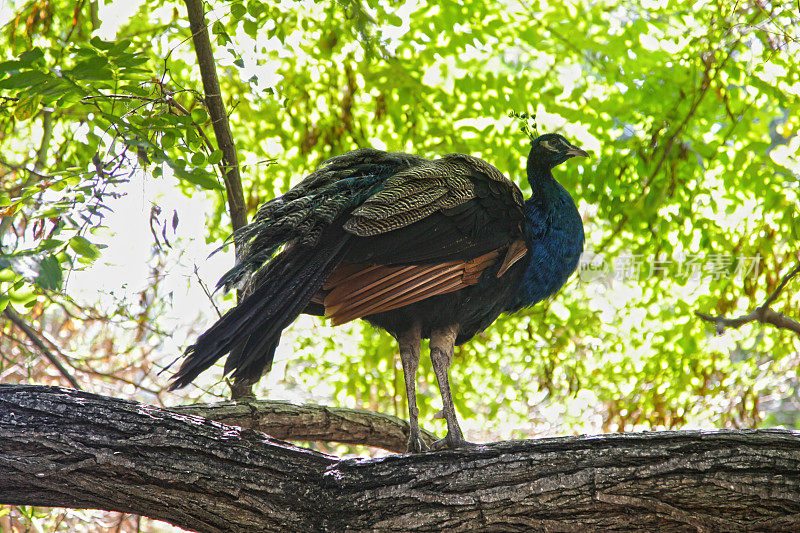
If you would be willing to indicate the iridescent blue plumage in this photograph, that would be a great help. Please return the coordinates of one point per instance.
(553, 230)
(422, 248)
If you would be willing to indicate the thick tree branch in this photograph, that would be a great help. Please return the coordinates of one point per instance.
(60, 447)
(216, 110)
(316, 423)
(762, 313)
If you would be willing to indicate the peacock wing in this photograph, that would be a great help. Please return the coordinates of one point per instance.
(432, 229)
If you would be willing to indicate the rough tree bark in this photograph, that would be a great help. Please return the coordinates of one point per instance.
(314, 423)
(67, 448)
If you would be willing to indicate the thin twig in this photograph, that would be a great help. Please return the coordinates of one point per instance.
(762, 313)
(710, 73)
(114, 96)
(38, 164)
(34, 338)
(205, 290)
(114, 375)
(22, 168)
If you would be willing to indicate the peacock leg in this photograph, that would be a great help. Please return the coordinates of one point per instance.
(442, 344)
(409, 342)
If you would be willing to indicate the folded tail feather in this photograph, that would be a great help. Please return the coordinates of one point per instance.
(250, 331)
(307, 223)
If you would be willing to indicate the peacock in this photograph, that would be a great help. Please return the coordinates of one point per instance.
(425, 249)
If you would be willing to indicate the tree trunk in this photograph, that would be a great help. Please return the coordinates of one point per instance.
(66, 448)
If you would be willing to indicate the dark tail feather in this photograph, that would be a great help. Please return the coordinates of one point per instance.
(251, 330)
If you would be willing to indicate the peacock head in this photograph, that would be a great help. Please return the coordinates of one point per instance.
(552, 149)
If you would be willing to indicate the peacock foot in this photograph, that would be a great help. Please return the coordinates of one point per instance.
(416, 444)
(452, 442)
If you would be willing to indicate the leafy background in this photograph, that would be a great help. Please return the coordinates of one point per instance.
(112, 199)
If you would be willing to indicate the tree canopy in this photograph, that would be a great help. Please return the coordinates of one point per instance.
(689, 201)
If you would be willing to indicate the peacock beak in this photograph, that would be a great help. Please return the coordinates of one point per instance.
(575, 151)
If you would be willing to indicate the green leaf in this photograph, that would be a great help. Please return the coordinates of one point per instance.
(251, 27)
(42, 269)
(27, 107)
(135, 89)
(29, 57)
(50, 274)
(92, 68)
(57, 87)
(84, 248)
(238, 10)
(26, 79)
(199, 115)
(119, 47)
(50, 244)
(97, 42)
(198, 158)
(168, 140)
(200, 177)
(255, 8)
(9, 66)
(215, 157)
(132, 60)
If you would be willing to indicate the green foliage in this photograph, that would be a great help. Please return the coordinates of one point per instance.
(104, 113)
(690, 110)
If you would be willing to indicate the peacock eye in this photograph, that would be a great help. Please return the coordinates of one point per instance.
(547, 145)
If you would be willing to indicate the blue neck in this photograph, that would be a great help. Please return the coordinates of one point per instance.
(554, 234)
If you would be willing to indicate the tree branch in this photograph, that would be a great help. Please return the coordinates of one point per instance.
(66, 448)
(317, 423)
(786, 279)
(219, 119)
(34, 338)
(216, 110)
(705, 86)
(762, 313)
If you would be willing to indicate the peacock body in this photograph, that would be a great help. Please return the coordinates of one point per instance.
(422, 248)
